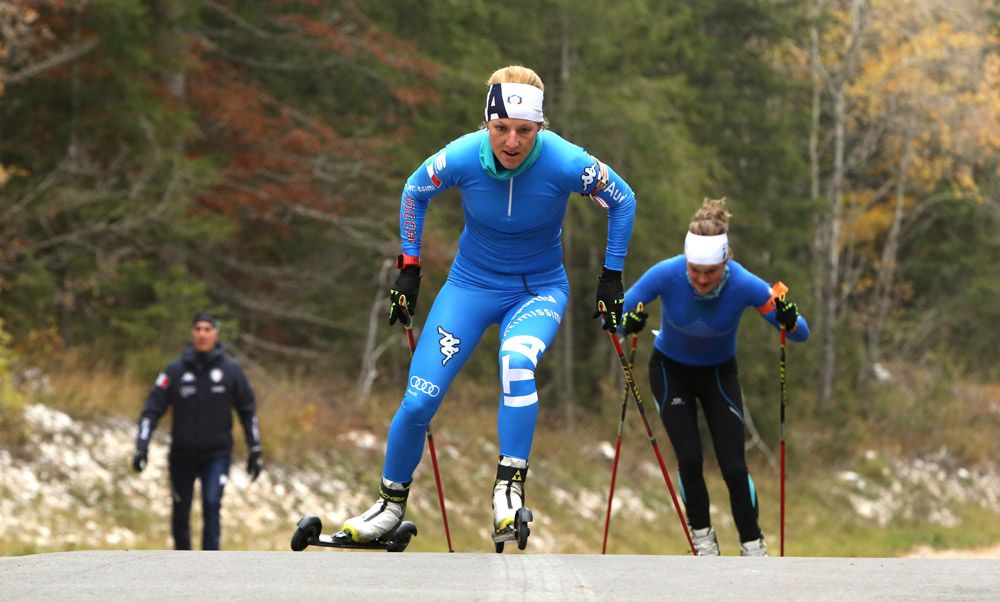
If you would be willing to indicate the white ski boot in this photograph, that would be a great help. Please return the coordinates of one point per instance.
(705, 541)
(385, 515)
(756, 547)
(510, 517)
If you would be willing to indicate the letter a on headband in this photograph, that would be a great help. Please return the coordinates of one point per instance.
(494, 104)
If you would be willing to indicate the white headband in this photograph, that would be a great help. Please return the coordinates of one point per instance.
(515, 101)
(706, 250)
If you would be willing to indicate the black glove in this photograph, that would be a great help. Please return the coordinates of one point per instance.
(787, 314)
(139, 460)
(254, 465)
(633, 322)
(611, 291)
(407, 286)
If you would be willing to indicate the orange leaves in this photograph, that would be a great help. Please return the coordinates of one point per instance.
(325, 35)
(400, 55)
(270, 149)
(415, 96)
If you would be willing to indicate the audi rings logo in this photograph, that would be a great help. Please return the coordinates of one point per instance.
(424, 386)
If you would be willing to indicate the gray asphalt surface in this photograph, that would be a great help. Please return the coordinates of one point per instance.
(339, 575)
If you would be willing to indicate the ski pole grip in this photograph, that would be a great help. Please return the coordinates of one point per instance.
(779, 290)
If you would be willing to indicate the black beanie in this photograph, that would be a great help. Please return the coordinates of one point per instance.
(204, 316)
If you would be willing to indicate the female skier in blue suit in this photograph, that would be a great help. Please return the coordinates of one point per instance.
(515, 177)
(703, 294)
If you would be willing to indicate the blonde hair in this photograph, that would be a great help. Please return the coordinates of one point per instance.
(516, 74)
(711, 219)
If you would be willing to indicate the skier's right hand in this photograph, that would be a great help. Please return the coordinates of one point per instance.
(609, 299)
(139, 460)
(634, 321)
(406, 288)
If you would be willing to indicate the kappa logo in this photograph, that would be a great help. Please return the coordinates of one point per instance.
(588, 176)
(449, 345)
(188, 377)
(514, 99)
(676, 401)
(424, 386)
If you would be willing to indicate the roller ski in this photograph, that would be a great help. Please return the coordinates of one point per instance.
(510, 517)
(381, 527)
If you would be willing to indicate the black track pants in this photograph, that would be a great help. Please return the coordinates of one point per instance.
(214, 472)
(676, 388)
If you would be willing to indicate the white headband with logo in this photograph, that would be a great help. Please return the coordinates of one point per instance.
(706, 250)
(514, 101)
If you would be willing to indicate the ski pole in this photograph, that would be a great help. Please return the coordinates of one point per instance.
(630, 383)
(779, 290)
(618, 443)
(430, 437)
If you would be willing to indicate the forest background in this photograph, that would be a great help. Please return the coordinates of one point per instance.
(165, 155)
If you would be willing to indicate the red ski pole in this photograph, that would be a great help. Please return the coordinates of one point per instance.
(430, 437)
(779, 290)
(630, 383)
(618, 445)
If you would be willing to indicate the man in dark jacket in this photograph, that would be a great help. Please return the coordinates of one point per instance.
(203, 385)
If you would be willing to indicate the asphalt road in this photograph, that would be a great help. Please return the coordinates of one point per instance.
(339, 575)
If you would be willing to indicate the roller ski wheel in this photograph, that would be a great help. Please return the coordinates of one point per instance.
(518, 531)
(309, 533)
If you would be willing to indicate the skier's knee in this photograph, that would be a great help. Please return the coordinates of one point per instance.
(735, 475)
(688, 466)
(420, 403)
(517, 380)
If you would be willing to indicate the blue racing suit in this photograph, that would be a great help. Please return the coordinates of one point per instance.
(698, 331)
(695, 359)
(508, 271)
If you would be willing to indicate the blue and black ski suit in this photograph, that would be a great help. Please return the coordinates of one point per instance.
(694, 356)
(203, 389)
(508, 271)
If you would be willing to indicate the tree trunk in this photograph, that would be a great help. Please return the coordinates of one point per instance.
(886, 272)
(369, 357)
(828, 245)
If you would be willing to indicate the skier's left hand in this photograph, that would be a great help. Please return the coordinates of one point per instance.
(634, 321)
(254, 465)
(787, 314)
(611, 293)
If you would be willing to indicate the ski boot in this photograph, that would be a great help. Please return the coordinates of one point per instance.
(383, 517)
(510, 517)
(705, 542)
(380, 528)
(755, 547)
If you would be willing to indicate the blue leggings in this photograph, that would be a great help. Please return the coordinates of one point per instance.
(528, 322)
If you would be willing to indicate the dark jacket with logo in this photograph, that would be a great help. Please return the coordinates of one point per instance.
(204, 389)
